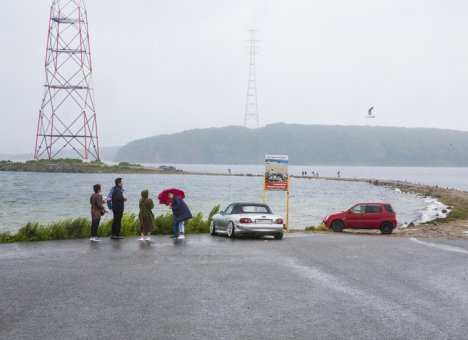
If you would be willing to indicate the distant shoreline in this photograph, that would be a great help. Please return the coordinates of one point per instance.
(77, 166)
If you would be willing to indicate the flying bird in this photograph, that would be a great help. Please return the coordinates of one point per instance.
(369, 113)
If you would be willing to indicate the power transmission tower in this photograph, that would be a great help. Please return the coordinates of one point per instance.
(251, 105)
(67, 117)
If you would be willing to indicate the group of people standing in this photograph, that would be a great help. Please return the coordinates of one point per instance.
(314, 174)
(116, 202)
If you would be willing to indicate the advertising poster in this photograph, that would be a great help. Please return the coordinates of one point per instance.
(276, 172)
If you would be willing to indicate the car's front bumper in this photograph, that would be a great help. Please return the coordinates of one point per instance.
(252, 228)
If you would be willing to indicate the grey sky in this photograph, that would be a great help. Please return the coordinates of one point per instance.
(167, 66)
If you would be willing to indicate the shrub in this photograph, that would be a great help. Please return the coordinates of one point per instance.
(81, 228)
(164, 224)
(130, 225)
(78, 228)
(6, 237)
(321, 227)
(58, 230)
(213, 212)
(32, 231)
(127, 164)
(197, 225)
(105, 228)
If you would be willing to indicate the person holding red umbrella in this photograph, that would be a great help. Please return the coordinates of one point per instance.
(180, 210)
(181, 213)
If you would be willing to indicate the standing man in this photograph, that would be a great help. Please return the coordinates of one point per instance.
(118, 203)
(181, 214)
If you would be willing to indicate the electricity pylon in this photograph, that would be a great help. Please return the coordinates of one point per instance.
(251, 105)
(67, 117)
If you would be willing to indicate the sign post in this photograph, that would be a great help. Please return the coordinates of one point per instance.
(276, 178)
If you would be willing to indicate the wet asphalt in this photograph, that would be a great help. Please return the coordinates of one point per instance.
(314, 286)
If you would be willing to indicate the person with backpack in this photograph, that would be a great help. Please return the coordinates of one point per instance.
(181, 214)
(146, 216)
(118, 206)
(97, 211)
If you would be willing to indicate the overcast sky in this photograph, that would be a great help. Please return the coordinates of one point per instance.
(167, 66)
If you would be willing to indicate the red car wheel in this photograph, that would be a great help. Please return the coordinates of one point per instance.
(337, 226)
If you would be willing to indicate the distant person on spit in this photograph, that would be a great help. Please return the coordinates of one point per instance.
(146, 216)
(181, 214)
(97, 210)
(118, 203)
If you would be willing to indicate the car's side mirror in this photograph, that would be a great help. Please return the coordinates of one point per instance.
(221, 212)
(350, 212)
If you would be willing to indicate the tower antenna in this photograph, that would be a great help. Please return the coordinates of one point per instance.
(251, 104)
(67, 116)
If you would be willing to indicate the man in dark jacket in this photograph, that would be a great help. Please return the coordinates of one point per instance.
(181, 214)
(118, 203)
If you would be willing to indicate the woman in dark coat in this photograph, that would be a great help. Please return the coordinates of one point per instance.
(181, 214)
(97, 210)
(146, 216)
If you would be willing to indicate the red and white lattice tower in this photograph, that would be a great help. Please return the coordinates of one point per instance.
(251, 103)
(67, 117)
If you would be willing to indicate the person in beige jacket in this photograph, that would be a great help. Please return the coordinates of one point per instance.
(146, 216)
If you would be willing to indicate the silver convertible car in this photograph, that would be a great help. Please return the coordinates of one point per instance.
(247, 218)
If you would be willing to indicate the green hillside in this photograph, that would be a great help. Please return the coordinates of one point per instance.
(305, 144)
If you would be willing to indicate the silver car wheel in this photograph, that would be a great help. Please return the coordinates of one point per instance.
(231, 232)
(212, 228)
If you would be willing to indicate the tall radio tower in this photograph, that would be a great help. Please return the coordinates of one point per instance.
(251, 105)
(67, 117)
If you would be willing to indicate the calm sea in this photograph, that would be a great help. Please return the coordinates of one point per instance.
(47, 197)
(456, 178)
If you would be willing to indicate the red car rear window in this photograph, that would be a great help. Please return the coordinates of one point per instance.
(373, 208)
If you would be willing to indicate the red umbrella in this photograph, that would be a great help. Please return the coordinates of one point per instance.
(163, 196)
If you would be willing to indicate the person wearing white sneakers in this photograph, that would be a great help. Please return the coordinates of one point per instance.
(146, 216)
(181, 213)
(97, 211)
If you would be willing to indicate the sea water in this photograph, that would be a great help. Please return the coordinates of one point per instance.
(48, 197)
(456, 178)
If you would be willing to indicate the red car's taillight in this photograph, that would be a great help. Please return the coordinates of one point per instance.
(245, 220)
(279, 221)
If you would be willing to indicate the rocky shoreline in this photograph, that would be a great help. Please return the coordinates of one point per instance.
(453, 226)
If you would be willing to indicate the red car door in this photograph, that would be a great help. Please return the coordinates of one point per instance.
(356, 217)
(373, 216)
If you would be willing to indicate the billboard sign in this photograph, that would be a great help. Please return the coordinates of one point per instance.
(276, 172)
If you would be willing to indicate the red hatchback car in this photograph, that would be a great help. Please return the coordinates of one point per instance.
(364, 216)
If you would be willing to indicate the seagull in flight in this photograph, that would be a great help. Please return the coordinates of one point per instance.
(369, 113)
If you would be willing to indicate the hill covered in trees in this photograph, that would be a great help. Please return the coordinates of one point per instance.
(305, 144)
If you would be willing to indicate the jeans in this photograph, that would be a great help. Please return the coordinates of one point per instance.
(176, 229)
(117, 223)
(94, 227)
(181, 226)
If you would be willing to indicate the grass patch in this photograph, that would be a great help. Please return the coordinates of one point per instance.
(320, 227)
(80, 228)
(69, 165)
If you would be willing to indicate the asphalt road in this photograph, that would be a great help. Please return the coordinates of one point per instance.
(319, 286)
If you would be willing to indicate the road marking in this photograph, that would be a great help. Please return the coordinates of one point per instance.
(441, 246)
